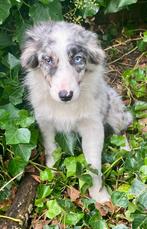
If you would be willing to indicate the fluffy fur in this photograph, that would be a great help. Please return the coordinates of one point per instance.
(64, 64)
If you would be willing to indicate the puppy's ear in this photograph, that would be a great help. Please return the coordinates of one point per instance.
(94, 50)
(29, 57)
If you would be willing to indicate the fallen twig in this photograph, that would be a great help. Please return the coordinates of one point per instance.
(123, 43)
(18, 214)
(121, 57)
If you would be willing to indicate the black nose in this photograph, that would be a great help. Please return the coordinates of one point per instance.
(65, 95)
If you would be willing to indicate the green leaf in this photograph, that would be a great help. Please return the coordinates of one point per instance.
(143, 173)
(120, 226)
(23, 151)
(85, 182)
(43, 191)
(4, 116)
(123, 188)
(53, 209)
(142, 200)
(140, 106)
(72, 218)
(96, 221)
(145, 36)
(45, 2)
(67, 142)
(12, 61)
(118, 140)
(120, 199)
(16, 96)
(90, 9)
(5, 40)
(65, 204)
(137, 187)
(57, 154)
(13, 111)
(40, 12)
(16, 165)
(115, 6)
(25, 120)
(39, 203)
(46, 175)
(71, 165)
(55, 10)
(16, 136)
(86, 202)
(140, 221)
(6, 192)
(4, 10)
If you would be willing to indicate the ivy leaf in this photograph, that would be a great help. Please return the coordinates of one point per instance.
(53, 209)
(145, 36)
(4, 116)
(16, 165)
(43, 191)
(4, 10)
(23, 151)
(137, 187)
(142, 201)
(71, 165)
(16, 96)
(120, 226)
(72, 218)
(85, 182)
(39, 12)
(143, 173)
(55, 10)
(140, 221)
(39, 203)
(118, 140)
(65, 204)
(16, 136)
(96, 221)
(12, 61)
(46, 175)
(5, 40)
(115, 6)
(120, 199)
(25, 120)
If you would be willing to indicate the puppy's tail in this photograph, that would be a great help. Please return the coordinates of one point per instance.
(118, 117)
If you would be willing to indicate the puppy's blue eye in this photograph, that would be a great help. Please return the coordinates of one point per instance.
(78, 59)
(49, 60)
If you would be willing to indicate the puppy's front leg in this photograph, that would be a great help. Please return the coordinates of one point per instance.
(92, 133)
(48, 133)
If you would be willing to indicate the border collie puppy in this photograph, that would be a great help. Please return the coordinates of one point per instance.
(65, 79)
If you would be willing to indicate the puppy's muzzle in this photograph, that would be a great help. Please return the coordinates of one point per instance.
(65, 95)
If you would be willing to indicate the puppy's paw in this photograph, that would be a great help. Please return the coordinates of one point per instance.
(101, 196)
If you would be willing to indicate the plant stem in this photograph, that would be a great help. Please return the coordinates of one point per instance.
(14, 219)
(112, 165)
(19, 174)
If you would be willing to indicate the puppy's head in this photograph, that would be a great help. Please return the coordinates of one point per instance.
(65, 53)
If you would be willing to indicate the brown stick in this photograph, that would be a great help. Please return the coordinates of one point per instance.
(17, 215)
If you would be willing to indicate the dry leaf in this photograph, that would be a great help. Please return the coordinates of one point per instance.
(143, 123)
(36, 178)
(73, 193)
(105, 208)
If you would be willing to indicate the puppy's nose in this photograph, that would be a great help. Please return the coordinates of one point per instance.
(65, 95)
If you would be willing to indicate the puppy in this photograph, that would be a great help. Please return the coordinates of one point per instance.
(65, 79)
